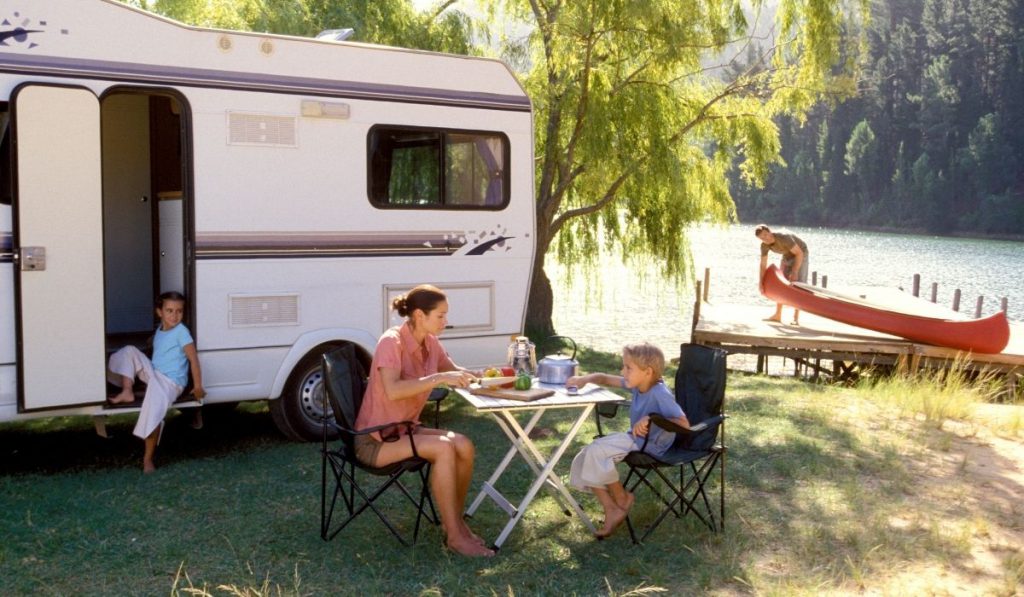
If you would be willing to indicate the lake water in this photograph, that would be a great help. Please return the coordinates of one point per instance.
(623, 303)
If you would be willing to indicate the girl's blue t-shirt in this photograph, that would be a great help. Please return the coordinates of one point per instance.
(658, 399)
(169, 353)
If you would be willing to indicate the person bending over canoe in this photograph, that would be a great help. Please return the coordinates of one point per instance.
(793, 263)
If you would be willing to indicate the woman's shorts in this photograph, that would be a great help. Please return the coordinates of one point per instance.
(366, 449)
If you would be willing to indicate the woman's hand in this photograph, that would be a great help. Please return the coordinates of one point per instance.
(455, 379)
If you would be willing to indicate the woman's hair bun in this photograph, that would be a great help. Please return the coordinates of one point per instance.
(399, 304)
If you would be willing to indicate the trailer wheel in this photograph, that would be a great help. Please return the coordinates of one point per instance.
(298, 413)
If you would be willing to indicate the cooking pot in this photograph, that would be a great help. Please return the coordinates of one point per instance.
(557, 369)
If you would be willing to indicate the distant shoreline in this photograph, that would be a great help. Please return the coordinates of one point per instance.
(896, 230)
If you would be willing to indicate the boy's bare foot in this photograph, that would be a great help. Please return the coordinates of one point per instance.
(615, 517)
(124, 397)
(466, 546)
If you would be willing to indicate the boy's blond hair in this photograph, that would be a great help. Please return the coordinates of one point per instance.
(646, 356)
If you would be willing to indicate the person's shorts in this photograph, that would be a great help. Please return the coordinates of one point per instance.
(366, 449)
(787, 266)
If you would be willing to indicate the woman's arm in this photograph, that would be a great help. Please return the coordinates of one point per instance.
(397, 388)
(197, 373)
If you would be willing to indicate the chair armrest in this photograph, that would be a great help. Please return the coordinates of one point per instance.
(438, 393)
(669, 425)
(607, 410)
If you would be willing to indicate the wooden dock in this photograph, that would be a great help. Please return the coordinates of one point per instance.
(822, 347)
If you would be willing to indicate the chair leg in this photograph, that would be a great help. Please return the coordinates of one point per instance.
(690, 489)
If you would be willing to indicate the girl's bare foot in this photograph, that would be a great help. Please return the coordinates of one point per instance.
(124, 397)
(466, 546)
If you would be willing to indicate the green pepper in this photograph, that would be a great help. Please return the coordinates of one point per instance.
(523, 382)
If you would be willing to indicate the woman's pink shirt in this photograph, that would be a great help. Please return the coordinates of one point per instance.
(398, 349)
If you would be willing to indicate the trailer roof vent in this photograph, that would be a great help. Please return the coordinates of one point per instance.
(336, 34)
(249, 310)
(261, 129)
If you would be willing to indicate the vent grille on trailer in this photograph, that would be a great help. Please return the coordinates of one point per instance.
(261, 129)
(264, 310)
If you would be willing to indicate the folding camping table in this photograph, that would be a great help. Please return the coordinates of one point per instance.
(504, 411)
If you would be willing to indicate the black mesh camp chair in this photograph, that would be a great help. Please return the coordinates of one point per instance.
(344, 385)
(700, 390)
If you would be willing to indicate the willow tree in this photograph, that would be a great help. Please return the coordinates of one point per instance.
(386, 22)
(637, 128)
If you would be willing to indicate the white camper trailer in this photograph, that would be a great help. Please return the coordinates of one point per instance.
(289, 187)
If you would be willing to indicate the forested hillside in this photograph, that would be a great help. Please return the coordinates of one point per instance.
(933, 142)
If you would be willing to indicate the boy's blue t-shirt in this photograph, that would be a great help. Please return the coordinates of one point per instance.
(169, 353)
(659, 399)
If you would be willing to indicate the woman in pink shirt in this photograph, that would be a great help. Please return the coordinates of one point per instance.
(408, 363)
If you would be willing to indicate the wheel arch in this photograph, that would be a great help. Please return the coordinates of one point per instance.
(310, 342)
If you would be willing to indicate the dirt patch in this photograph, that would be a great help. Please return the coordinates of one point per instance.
(977, 478)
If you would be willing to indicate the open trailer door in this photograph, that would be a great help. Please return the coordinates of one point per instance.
(58, 247)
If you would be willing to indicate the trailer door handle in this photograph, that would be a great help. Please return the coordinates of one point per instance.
(32, 259)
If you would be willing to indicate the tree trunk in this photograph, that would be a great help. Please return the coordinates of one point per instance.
(541, 302)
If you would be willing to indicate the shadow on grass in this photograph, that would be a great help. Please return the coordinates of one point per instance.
(70, 444)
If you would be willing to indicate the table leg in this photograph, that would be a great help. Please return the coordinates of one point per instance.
(545, 475)
(488, 486)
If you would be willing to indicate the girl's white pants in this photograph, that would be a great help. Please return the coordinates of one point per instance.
(161, 392)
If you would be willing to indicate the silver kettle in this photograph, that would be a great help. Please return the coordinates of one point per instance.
(558, 368)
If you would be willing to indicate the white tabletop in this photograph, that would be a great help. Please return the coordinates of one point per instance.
(588, 394)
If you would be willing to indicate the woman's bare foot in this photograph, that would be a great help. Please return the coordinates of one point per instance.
(124, 397)
(467, 546)
(775, 318)
(470, 533)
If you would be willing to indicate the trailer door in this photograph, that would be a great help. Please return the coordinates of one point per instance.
(58, 236)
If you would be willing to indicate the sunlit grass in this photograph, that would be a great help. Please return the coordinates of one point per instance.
(940, 395)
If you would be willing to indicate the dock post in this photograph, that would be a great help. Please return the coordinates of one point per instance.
(1002, 304)
(935, 291)
(814, 278)
(696, 309)
(824, 281)
(917, 285)
(956, 299)
(977, 310)
(707, 282)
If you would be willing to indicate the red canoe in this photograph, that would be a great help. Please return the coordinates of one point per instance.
(988, 335)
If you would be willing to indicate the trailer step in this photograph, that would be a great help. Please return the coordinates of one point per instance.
(99, 420)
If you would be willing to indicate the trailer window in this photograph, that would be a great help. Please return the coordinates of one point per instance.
(6, 186)
(437, 169)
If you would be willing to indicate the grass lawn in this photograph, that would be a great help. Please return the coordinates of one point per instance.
(830, 490)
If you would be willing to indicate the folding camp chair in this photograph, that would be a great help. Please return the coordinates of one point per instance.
(700, 391)
(344, 386)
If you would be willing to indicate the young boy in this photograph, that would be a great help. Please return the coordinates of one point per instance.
(593, 469)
